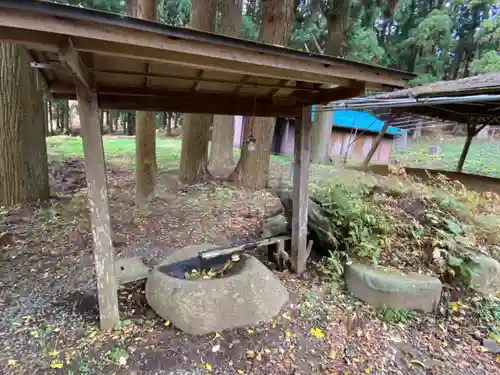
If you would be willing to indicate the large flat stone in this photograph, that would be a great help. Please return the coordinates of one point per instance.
(252, 295)
(486, 280)
(381, 286)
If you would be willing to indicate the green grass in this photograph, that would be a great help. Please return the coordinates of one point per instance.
(122, 150)
(483, 157)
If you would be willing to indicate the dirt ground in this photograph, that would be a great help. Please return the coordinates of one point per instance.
(48, 305)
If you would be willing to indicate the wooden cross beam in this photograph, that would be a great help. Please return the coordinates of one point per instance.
(93, 151)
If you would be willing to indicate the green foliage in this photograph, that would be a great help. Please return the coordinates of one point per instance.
(393, 315)
(174, 12)
(361, 226)
(488, 63)
(308, 305)
(465, 265)
(488, 311)
(363, 45)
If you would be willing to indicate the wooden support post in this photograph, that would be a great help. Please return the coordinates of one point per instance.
(375, 145)
(99, 210)
(302, 150)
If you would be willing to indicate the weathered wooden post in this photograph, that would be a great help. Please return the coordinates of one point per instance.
(95, 171)
(99, 209)
(302, 152)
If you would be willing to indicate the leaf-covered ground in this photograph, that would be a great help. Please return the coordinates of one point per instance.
(48, 306)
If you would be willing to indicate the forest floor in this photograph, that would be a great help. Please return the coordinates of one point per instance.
(49, 317)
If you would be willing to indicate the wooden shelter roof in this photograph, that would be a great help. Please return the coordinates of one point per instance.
(137, 64)
(485, 110)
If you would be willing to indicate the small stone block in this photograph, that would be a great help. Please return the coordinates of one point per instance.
(132, 269)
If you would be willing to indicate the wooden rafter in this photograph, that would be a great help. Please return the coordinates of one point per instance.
(71, 59)
(199, 76)
(241, 83)
(180, 101)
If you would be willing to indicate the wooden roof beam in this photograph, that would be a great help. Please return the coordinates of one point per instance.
(71, 59)
(197, 80)
(241, 83)
(330, 95)
(187, 101)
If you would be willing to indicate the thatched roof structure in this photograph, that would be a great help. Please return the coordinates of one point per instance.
(467, 100)
(478, 85)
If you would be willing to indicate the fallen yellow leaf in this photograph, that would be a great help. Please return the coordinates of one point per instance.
(55, 364)
(287, 315)
(367, 370)
(250, 354)
(240, 371)
(208, 367)
(453, 306)
(217, 334)
(316, 332)
(288, 333)
(250, 331)
(498, 358)
(12, 362)
(54, 353)
(167, 323)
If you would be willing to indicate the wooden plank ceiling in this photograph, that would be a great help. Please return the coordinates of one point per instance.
(138, 64)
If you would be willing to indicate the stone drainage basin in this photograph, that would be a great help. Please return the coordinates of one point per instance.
(245, 294)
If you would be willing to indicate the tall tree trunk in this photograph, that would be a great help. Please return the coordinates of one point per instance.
(221, 151)
(130, 123)
(145, 141)
(338, 22)
(51, 124)
(58, 118)
(65, 117)
(23, 157)
(252, 169)
(168, 123)
(196, 128)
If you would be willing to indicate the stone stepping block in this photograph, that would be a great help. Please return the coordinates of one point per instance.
(486, 279)
(250, 293)
(379, 286)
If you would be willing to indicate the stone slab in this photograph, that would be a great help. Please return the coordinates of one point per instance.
(198, 307)
(486, 280)
(379, 286)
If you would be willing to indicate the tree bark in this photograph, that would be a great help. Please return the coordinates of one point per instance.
(51, 125)
(195, 137)
(145, 171)
(23, 156)
(221, 151)
(131, 123)
(145, 153)
(168, 123)
(252, 169)
(338, 22)
(65, 118)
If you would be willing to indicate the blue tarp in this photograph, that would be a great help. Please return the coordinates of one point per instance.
(362, 121)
